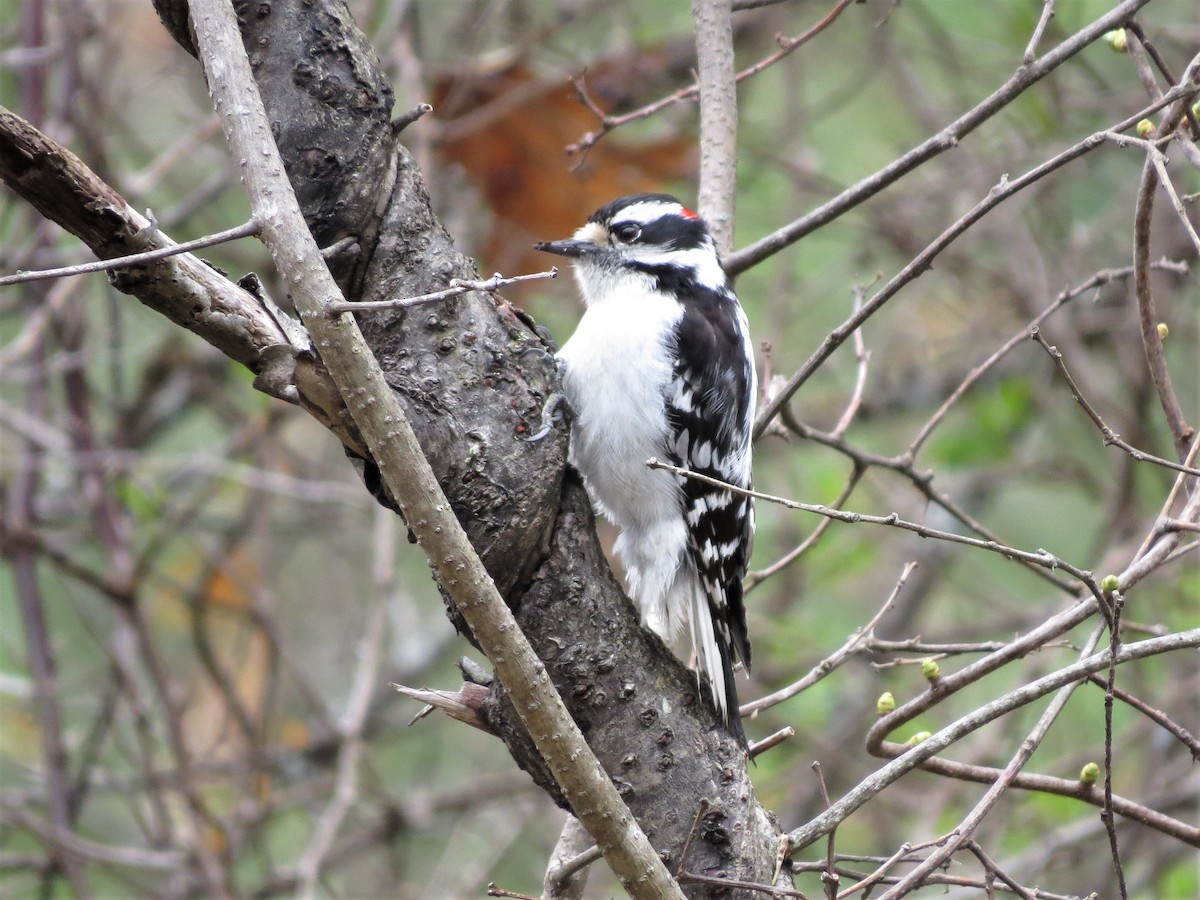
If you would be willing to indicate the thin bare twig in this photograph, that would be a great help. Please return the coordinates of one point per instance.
(941, 740)
(727, 883)
(863, 356)
(1157, 716)
(566, 872)
(608, 123)
(494, 890)
(754, 579)
(903, 854)
(1004, 189)
(406, 472)
(967, 827)
(345, 790)
(944, 140)
(921, 481)
(701, 809)
(1181, 431)
(1111, 438)
(990, 866)
(85, 848)
(1159, 545)
(856, 641)
(246, 229)
(829, 877)
(403, 121)
(1096, 281)
(1041, 558)
(458, 287)
(22, 515)
(936, 650)
(1106, 815)
(1158, 159)
(757, 748)
(1039, 29)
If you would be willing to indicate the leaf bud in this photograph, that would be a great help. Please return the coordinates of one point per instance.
(918, 738)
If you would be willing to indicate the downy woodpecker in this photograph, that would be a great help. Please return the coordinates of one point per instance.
(661, 365)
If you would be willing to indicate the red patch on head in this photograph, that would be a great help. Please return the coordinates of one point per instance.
(689, 214)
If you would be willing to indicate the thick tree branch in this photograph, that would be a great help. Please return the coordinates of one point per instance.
(394, 446)
(183, 288)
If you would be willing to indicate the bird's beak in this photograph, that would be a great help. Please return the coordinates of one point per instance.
(573, 248)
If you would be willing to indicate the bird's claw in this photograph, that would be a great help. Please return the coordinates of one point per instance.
(551, 413)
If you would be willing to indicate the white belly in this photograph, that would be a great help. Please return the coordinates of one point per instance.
(615, 378)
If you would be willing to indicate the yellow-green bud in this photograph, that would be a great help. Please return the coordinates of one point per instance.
(1118, 40)
(885, 704)
(1163, 331)
(1145, 128)
(1110, 583)
(930, 669)
(1089, 773)
(918, 738)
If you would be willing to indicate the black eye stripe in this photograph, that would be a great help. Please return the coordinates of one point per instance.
(675, 232)
(627, 232)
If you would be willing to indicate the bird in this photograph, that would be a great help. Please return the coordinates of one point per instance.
(661, 366)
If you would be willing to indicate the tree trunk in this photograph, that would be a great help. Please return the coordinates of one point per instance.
(474, 376)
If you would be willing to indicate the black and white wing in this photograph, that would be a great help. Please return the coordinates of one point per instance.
(710, 407)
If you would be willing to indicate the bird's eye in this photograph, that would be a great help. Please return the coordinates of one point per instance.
(627, 233)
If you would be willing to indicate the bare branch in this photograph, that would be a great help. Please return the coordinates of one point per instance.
(566, 872)
(1103, 277)
(458, 287)
(1106, 815)
(345, 791)
(1181, 431)
(1110, 436)
(1157, 716)
(854, 643)
(967, 827)
(1041, 558)
(754, 579)
(183, 288)
(221, 237)
(718, 118)
(946, 139)
(1040, 29)
(1004, 189)
(944, 738)
(608, 123)
(757, 748)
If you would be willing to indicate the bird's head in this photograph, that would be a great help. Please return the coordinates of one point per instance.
(651, 236)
